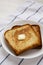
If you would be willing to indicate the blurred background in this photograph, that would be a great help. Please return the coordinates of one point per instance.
(9, 6)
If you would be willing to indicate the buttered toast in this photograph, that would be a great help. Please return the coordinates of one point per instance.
(22, 38)
(37, 30)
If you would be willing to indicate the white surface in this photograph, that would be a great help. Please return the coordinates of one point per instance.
(5, 18)
(28, 54)
(8, 7)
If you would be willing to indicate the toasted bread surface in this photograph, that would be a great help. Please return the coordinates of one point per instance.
(19, 46)
(38, 32)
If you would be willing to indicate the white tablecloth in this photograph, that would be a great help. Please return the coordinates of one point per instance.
(30, 10)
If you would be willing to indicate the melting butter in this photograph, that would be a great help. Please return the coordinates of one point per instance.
(21, 36)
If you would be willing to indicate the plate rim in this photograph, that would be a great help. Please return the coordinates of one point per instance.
(21, 56)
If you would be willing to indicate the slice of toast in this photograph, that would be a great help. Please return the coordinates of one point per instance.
(30, 39)
(37, 30)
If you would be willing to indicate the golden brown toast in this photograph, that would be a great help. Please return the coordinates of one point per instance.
(30, 40)
(37, 30)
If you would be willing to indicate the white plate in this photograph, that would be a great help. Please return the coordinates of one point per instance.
(28, 54)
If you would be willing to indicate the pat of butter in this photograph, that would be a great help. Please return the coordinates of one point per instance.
(21, 37)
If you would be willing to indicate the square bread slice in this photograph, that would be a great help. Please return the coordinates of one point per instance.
(38, 32)
(22, 38)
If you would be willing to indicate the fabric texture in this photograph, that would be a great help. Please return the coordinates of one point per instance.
(30, 10)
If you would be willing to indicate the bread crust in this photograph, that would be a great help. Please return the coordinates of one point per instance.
(35, 46)
(37, 27)
(18, 53)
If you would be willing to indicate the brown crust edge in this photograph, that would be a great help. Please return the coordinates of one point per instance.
(24, 49)
(18, 53)
(40, 46)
